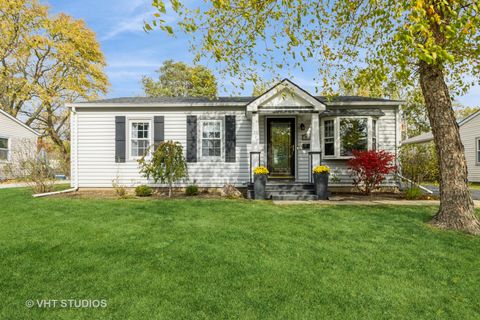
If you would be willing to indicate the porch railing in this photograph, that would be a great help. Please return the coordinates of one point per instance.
(252, 155)
(310, 163)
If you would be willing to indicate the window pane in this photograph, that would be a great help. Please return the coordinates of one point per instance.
(329, 128)
(211, 139)
(3, 143)
(353, 135)
(329, 149)
(3, 154)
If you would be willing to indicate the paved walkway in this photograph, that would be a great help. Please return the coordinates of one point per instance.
(24, 184)
(370, 203)
(436, 190)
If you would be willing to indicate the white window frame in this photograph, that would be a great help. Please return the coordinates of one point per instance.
(130, 136)
(337, 134)
(9, 147)
(200, 144)
(477, 151)
(322, 129)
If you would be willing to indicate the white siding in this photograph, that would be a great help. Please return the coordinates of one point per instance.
(470, 132)
(93, 152)
(96, 147)
(20, 139)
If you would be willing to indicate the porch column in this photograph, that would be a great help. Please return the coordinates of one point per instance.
(255, 132)
(255, 149)
(315, 139)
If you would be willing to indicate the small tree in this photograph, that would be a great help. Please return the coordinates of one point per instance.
(32, 167)
(370, 168)
(419, 162)
(167, 164)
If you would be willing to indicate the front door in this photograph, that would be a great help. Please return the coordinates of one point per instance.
(281, 147)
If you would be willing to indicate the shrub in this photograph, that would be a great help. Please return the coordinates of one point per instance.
(413, 194)
(143, 191)
(33, 167)
(166, 164)
(369, 168)
(191, 190)
(419, 162)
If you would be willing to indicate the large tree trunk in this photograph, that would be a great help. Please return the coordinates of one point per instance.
(456, 204)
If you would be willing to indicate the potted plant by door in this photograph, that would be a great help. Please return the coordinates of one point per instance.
(260, 182)
(320, 180)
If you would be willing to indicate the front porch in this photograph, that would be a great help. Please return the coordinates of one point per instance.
(285, 133)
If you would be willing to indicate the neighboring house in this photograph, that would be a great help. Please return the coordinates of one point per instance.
(15, 137)
(470, 135)
(286, 129)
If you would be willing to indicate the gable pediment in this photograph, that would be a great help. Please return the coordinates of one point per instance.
(286, 98)
(285, 95)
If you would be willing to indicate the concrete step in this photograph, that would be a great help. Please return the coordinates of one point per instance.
(294, 197)
(292, 188)
(290, 193)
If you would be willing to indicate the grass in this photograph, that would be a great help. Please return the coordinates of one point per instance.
(211, 259)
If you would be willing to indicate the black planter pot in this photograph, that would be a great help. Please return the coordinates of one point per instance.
(320, 181)
(259, 186)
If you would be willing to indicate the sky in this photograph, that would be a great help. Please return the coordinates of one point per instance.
(131, 53)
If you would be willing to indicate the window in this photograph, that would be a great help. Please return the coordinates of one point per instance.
(329, 138)
(478, 151)
(374, 134)
(139, 139)
(3, 149)
(353, 135)
(211, 139)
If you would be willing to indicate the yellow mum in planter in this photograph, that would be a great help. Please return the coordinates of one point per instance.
(261, 170)
(321, 169)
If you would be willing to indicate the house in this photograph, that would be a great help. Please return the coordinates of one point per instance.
(286, 129)
(15, 138)
(470, 135)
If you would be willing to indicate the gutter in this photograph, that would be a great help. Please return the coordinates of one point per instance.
(41, 195)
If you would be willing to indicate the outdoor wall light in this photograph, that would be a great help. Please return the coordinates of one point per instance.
(302, 126)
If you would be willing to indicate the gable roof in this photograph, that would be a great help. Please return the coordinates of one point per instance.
(234, 101)
(241, 101)
(426, 137)
(280, 87)
(18, 122)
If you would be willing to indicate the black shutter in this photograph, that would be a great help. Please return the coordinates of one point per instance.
(158, 130)
(191, 138)
(230, 139)
(120, 141)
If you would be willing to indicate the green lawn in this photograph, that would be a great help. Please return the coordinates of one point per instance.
(204, 259)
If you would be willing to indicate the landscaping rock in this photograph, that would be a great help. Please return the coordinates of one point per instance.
(230, 192)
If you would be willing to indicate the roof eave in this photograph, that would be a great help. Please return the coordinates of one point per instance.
(19, 122)
(364, 103)
(153, 105)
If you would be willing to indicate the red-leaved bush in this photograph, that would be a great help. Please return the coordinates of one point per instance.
(370, 168)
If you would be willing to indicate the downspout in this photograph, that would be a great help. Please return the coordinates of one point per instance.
(40, 195)
(75, 149)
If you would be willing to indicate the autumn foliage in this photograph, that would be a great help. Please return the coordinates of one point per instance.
(370, 168)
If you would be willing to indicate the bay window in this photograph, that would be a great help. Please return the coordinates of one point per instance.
(211, 146)
(353, 135)
(342, 135)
